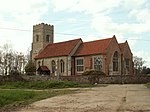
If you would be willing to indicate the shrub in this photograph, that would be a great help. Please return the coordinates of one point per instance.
(30, 68)
(94, 73)
(14, 72)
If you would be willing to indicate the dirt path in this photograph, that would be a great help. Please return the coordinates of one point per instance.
(113, 98)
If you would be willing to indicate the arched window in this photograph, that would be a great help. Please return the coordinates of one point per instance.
(127, 65)
(62, 66)
(37, 38)
(47, 38)
(53, 64)
(115, 61)
(97, 63)
(39, 63)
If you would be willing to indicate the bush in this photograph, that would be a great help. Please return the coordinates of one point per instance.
(14, 72)
(30, 68)
(94, 73)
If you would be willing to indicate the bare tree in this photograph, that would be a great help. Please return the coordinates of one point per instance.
(21, 61)
(6, 58)
(138, 64)
(11, 61)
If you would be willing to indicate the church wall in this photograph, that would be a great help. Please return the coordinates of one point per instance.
(113, 46)
(88, 63)
(127, 55)
(47, 62)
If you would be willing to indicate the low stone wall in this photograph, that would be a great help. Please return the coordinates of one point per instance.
(36, 78)
(11, 78)
(108, 79)
(117, 79)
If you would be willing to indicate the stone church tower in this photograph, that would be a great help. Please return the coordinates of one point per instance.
(43, 34)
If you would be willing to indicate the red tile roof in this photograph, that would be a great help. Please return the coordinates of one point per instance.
(58, 49)
(43, 68)
(93, 47)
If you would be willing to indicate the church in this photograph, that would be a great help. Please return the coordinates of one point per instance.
(73, 57)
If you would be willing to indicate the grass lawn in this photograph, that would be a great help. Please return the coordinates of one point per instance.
(148, 85)
(16, 94)
(42, 85)
(9, 99)
(148, 74)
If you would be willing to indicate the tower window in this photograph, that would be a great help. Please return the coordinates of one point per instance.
(47, 38)
(37, 38)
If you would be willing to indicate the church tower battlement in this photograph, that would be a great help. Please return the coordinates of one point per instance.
(43, 34)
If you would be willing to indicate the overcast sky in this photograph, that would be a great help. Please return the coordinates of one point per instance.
(87, 19)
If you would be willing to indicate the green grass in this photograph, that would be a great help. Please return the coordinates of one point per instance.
(11, 98)
(42, 85)
(148, 85)
(148, 75)
(14, 94)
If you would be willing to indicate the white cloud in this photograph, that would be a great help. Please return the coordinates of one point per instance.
(19, 14)
(133, 4)
(61, 5)
(100, 11)
(143, 15)
(72, 20)
(23, 12)
(87, 6)
(22, 6)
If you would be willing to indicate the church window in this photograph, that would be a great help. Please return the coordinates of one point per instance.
(115, 61)
(127, 61)
(79, 65)
(62, 66)
(37, 38)
(39, 63)
(97, 63)
(53, 64)
(47, 38)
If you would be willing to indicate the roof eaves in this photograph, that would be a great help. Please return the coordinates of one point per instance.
(109, 43)
(80, 40)
(50, 56)
(90, 54)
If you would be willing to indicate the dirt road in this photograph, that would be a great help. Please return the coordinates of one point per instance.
(113, 98)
